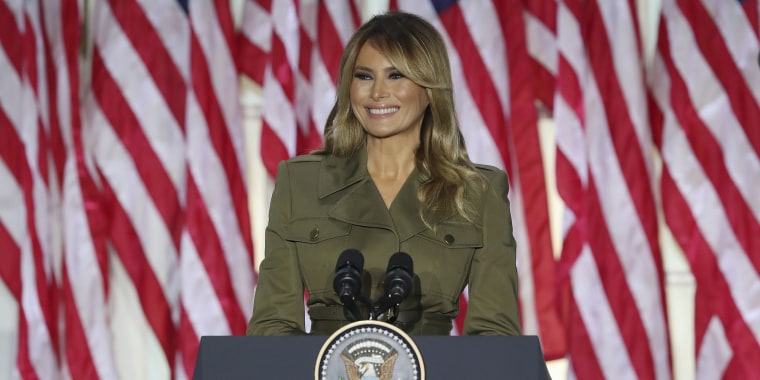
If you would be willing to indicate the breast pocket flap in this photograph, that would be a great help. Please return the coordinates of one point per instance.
(457, 235)
(315, 230)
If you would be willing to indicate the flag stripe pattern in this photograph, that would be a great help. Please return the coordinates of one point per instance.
(704, 85)
(141, 170)
(124, 226)
(255, 39)
(27, 243)
(216, 248)
(495, 102)
(303, 42)
(611, 267)
(292, 49)
(84, 279)
(125, 208)
(541, 33)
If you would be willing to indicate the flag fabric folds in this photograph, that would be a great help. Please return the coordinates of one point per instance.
(216, 264)
(291, 49)
(611, 267)
(125, 233)
(135, 118)
(495, 94)
(541, 39)
(705, 85)
(32, 157)
(302, 42)
(124, 228)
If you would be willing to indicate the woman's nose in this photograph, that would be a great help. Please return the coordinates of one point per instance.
(379, 89)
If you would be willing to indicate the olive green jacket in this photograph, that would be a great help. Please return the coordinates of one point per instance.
(323, 205)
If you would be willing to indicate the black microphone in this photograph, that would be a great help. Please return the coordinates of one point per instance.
(397, 285)
(348, 279)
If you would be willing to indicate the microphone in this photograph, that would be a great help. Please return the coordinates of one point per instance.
(397, 284)
(348, 280)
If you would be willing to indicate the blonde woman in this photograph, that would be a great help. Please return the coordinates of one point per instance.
(393, 176)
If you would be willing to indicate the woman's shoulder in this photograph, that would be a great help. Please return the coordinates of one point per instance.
(303, 161)
(318, 161)
(309, 157)
(299, 167)
(497, 180)
(495, 176)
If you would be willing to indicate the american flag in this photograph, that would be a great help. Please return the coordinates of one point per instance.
(705, 84)
(541, 34)
(128, 212)
(136, 121)
(611, 266)
(293, 119)
(31, 162)
(216, 266)
(303, 41)
(494, 95)
(124, 232)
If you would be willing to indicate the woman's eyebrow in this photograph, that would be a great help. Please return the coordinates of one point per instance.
(387, 69)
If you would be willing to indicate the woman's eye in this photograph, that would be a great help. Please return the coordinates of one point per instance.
(362, 76)
(395, 75)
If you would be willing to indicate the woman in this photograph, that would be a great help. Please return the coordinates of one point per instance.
(392, 176)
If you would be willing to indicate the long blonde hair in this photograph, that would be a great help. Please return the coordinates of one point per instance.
(418, 52)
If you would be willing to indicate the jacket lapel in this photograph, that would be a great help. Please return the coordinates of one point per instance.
(405, 209)
(361, 203)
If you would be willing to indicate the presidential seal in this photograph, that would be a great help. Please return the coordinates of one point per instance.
(369, 350)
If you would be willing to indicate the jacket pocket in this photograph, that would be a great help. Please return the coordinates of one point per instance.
(315, 230)
(318, 242)
(448, 256)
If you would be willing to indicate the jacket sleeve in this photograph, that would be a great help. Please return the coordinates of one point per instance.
(279, 301)
(492, 308)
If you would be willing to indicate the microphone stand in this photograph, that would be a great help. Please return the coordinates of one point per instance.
(380, 307)
(350, 308)
(375, 314)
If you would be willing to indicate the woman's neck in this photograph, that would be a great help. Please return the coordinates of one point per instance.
(389, 166)
(390, 160)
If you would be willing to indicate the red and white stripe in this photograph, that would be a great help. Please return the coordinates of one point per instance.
(98, 201)
(541, 33)
(86, 351)
(494, 95)
(216, 265)
(705, 81)
(293, 49)
(135, 122)
(255, 39)
(611, 265)
(28, 246)
(303, 42)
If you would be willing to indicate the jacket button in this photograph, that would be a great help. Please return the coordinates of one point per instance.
(448, 239)
(314, 234)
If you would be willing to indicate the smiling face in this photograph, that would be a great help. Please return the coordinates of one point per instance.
(385, 102)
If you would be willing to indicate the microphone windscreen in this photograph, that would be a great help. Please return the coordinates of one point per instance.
(350, 257)
(401, 260)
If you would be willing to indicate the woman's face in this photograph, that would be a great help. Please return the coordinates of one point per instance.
(385, 102)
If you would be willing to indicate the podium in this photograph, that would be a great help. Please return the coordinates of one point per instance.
(445, 357)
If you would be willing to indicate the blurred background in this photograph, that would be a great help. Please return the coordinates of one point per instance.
(139, 141)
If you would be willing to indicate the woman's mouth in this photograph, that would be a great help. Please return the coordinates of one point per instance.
(382, 111)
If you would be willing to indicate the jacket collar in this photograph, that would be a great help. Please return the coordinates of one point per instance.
(361, 203)
(337, 173)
